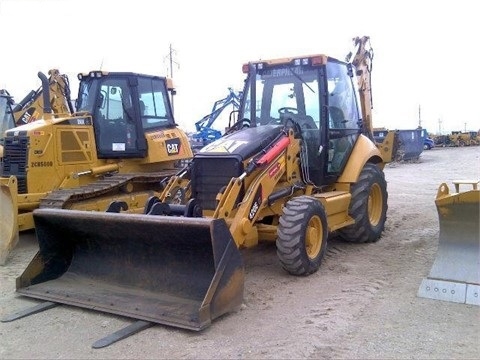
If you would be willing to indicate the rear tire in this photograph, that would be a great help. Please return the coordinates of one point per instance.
(302, 236)
(368, 207)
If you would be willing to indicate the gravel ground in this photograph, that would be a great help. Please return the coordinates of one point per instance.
(361, 304)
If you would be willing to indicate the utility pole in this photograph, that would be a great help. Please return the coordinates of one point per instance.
(419, 117)
(171, 61)
(439, 126)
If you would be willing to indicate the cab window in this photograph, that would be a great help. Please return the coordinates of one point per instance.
(154, 104)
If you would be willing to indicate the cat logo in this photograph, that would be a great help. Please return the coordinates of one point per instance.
(173, 146)
(226, 146)
(28, 116)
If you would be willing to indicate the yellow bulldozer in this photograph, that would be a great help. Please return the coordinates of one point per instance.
(299, 165)
(119, 145)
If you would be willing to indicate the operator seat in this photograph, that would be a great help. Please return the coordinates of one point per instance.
(142, 107)
(337, 118)
(311, 137)
(308, 123)
(339, 141)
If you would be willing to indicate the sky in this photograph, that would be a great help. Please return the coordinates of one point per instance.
(424, 66)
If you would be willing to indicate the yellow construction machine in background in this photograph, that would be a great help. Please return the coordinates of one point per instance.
(455, 273)
(119, 145)
(301, 166)
(7, 121)
(31, 107)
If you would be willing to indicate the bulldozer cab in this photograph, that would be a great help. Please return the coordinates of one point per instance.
(319, 95)
(124, 106)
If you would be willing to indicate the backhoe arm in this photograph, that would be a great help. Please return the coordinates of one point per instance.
(363, 64)
(32, 107)
(60, 97)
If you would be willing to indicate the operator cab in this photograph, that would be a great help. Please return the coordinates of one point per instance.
(320, 95)
(124, 106)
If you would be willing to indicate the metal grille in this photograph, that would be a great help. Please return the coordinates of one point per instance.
(15, 157)
(210, 175)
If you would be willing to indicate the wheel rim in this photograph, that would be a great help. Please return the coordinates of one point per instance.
(313, 237)
(375, 204)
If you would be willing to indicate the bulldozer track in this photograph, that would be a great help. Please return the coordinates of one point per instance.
(60, 199)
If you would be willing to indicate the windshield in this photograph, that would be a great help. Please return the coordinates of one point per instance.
(282, 89)
(112, 98)
(84, 101)
(154, 103)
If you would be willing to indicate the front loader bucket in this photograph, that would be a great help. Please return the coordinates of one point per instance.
(455, 273)
(8, 217)
(178, 271)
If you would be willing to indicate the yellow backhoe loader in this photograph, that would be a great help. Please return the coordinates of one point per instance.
(455, 273)
(119, 145)
(31, 107)
(299, 165)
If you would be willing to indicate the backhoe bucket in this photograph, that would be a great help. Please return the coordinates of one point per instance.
(8, 217)
(455, 273)
(178, 271)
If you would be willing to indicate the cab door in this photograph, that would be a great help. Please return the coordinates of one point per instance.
(344, 123)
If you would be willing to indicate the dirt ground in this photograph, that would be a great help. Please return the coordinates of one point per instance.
(361, 304)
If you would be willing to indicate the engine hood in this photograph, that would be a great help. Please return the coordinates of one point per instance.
(243, 143)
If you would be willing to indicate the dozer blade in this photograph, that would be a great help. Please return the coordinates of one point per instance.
(178, 271)
(455, 273)
(8, 217)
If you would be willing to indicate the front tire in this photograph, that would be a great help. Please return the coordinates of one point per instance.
(302, 236)
(368, 207)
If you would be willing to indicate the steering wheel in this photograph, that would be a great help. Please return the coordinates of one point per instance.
(288, 110)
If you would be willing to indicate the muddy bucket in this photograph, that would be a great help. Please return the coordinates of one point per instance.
(455, 273)
(178, 271)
